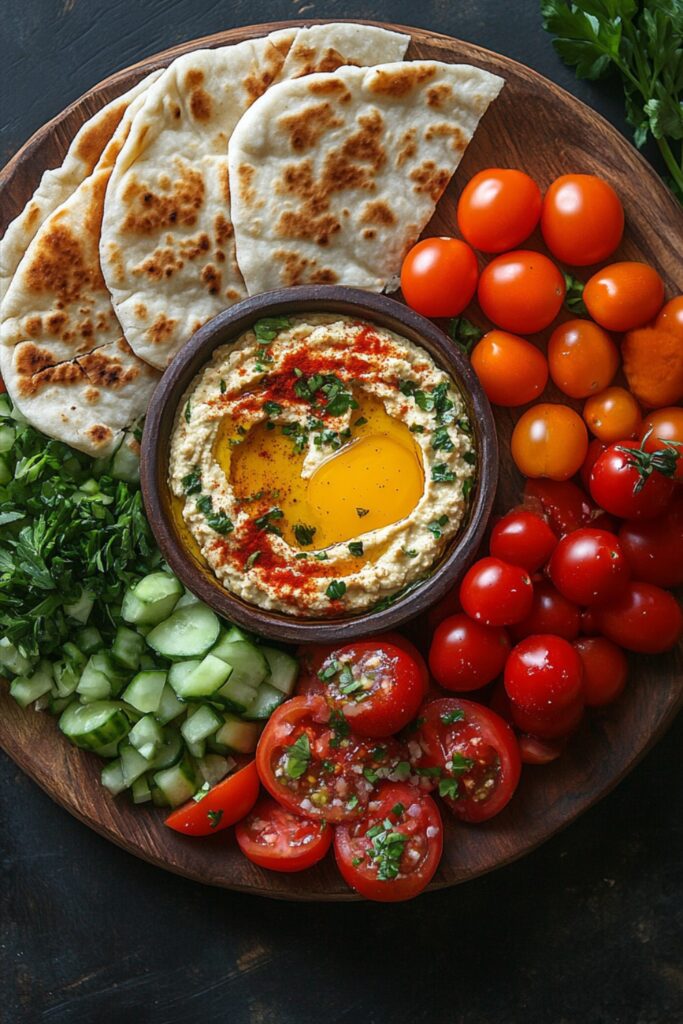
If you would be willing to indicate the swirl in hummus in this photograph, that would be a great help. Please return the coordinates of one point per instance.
(323, 464)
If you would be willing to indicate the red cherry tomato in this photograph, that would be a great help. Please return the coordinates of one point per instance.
(375, 685)
(643, 618)
(470, 753)
(223, 805)
(534, 750)
(524, 539)
(448, 605)
(466, 655)
(498, 209)
(549, 725)
(312, 656)
(496, 593)
(551, 612)
(589, 567)
(521, 292)
(307, 758)
(605, 668)
(439, 276)
(543, 679)
(582, 219)
(278, 840)
(626, 483)
(589, 625)
(393, 852)
(664, 425)
(595, 449)
(624, 296)
(565, 505)
(654, 547)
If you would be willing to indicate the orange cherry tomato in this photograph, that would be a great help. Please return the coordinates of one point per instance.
(521, 291)
(498, 209)
(623, 296)
(549, 441)
(512, 370)
(582, 358)
(613, 415)
(666, 425)
(582, 219)
(671, 317)
(439, 276)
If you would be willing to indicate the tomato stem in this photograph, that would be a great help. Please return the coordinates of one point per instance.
(663, 460)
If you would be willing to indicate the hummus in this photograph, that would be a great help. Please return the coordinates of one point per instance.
(322, 464)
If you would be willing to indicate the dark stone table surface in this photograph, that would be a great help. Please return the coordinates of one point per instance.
(587, 930)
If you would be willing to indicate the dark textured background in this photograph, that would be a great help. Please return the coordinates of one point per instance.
(585, 931)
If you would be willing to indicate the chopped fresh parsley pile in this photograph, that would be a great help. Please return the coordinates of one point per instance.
(640, 41)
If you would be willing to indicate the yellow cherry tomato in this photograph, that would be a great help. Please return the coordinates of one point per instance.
(582, 358)
(549, 441)
(613, 415)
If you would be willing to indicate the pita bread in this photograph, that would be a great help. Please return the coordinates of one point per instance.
(167, 247)
(333, 177)
(328, 47)
(58, 183)
(64, 360)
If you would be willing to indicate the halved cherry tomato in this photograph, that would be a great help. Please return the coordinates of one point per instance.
(605, 668)
(498, 209)
(312, 656)
(308, 759)
(670, 317)
(466, 655)
(549, 441)
(521, 291)
(522, 538)
(627, 482)
(643, 618)
(512, 371)
(274, 838)
(612, 415)
(496, 593)
(582, 358)
(534, 750)
(224, 804)
(589, 567)
(544, 679)
(393, 852)
(582, 219)
(565, 504)
(439, 276)
(654, 547)
(664, 425)
(375, 685)
(623, 296)
(470, 753)
(551, 612)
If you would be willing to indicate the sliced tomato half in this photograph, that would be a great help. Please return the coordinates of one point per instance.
(274, 838)
(223, 805)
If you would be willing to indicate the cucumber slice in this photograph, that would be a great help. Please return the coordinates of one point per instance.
(26, 689)
(180, 670)
(186, 600)
(264, 703)
(144, 691)
(147, 736)
(93, 725)
(152, 599)
(214, 767)
(196, 750)
(57, 704)
(284, 669)
(249, 665)
(80, 609)
(238, 735)
(140, 791)
(94, 684)
(169, 706)
(12, 659)
(112, 778)
(200, 724)
(74, 656)
(133, 764)
(127, 648)
(66, 677)
(108, 750)
(89, 640)
(177, 783)
(171, 750)
(103, 661)
(188, 633)
(235, 696)
(203, 680)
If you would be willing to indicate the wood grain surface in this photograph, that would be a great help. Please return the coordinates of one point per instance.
(534, 125)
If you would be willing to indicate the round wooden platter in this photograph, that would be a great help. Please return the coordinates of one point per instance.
(533, 125)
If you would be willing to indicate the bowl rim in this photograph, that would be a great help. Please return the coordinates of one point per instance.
(190, 360)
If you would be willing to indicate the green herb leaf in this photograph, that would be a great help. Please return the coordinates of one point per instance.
(360, 422)
(449, 788)
(360, 512)
(464, 333)
(223, 387)
(356, 548)
(268, 328)
(265, 522)
(188, 412)
(192, 483)
(451, 717)
(214, 818)
(272, 408)
(371, 775)
(442, 441)
(253, 558)
(573, 299)
(336, 590)
(304, 534)
(298, 756)
(436, 526)
(441, 474)
(220, 523)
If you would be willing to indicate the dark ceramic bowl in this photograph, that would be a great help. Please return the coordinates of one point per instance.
(228, 326)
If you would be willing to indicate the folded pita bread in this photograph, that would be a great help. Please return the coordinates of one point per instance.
(167, 248)
(63, 356)
(333, 177)
(58, 183)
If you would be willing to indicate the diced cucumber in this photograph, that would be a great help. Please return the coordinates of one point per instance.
(249, 665)
(233, 633)
(214, 767)
(103, 661)
(200, 724)
(108, 750)
(66, 677)
(112, 777)
(203, 680)
(152, 599)
(140, 791)
(144, 690)
(74, 656)
(264, 703)
(27, 689)
(95, 683)
(177, 783)
(196, 750)
(126, 462)
(235, 696)
(57, 704)
(186, 600)
(284, 669)
(89, 640)
(127, 648)
(12, 659)
(170, 751)
(238, 735)
(169, 706)
(148, 661)
(180, 670)
(80, 609)
(133, 764)
(93, 725)
(147, 736)
(188, 633)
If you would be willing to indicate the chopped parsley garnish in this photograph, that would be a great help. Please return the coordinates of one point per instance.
(298, 433)
(340, 727)
(327, 766)
(272, 408)
(336, 590)
(442, 441)
(441, 474)
(409, 552)
(360, 512)
(402, 770)
(360, 422)
(301, 554)
(388, 845)
(326, 392)
(253, 558)
(436, 400)
(429, 772)
(188, 412)
(371, 775)
(265, 522)
(397, 810)
(192, 483)
(464, 333)
(450, 717)
(460, 763)
(268, 327)
(328, 671)
(321, 556)
(220, 523)
(352, 803)
(448, 788)
(417, 428)
(465, 426)
(356, 860)
(469, 457)
(201, 792)
(304, 534)
(214, 818)
(356, 548)
(436, 525)
(223, 386)
(205, 503)
(298, 756)
(467, 486)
